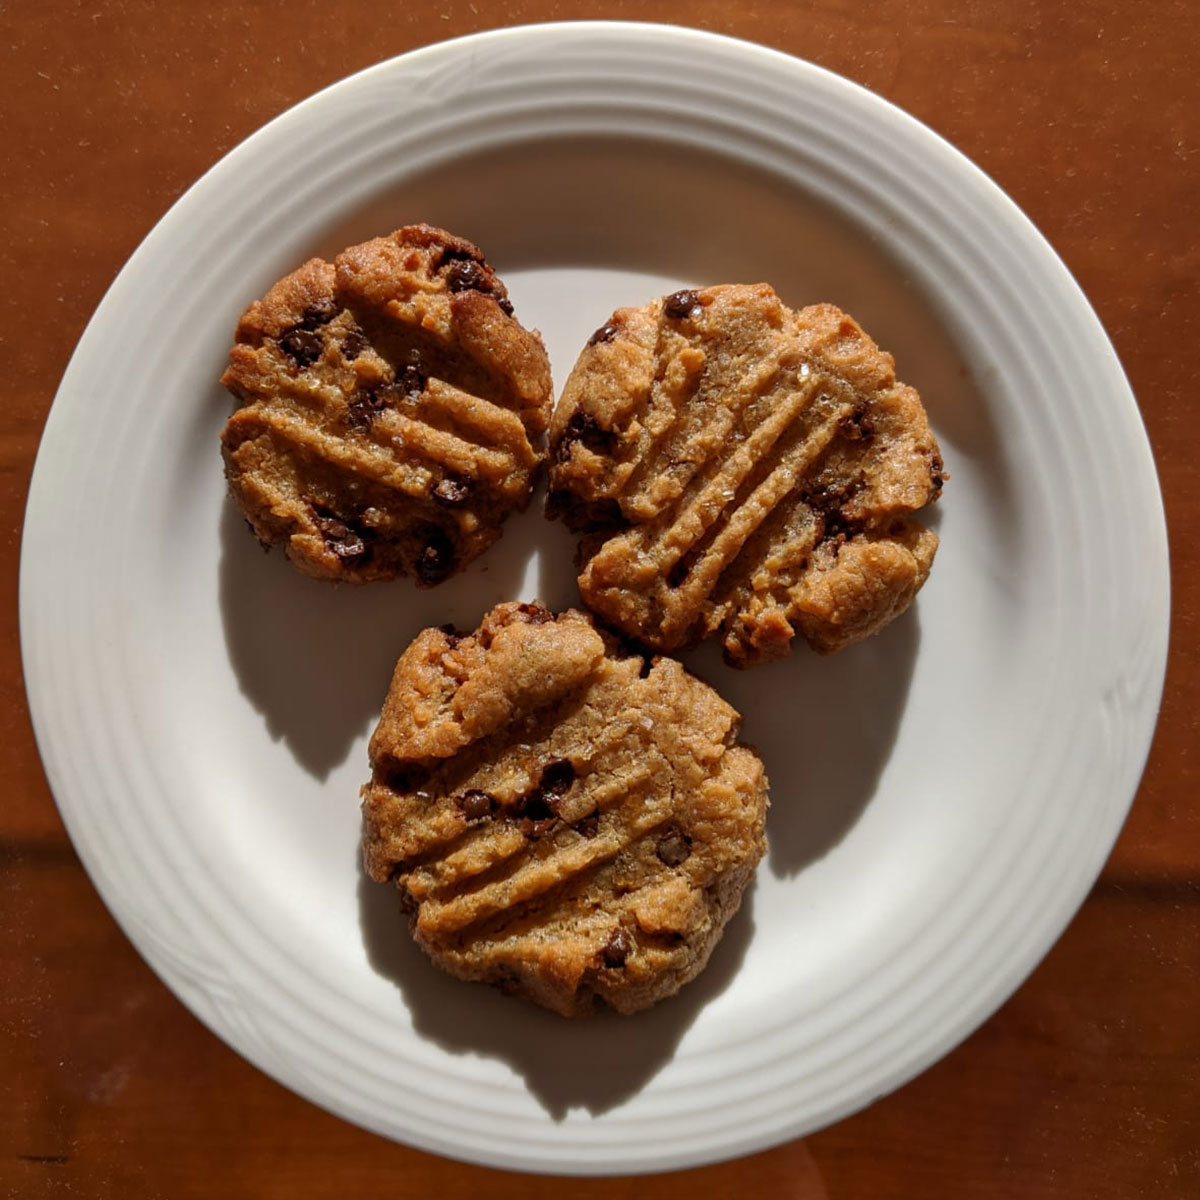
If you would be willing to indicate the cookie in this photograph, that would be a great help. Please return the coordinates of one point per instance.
(742, 468)
(391, 407)
(571, 823)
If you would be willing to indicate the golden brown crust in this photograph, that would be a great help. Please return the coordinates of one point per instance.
(391, 407)
(741, 467)
(567, 822)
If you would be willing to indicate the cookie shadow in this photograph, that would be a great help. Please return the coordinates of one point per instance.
(315, 658)
(825, 728)
(595, 1063)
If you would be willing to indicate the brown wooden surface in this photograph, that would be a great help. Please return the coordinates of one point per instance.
(1087, 1083)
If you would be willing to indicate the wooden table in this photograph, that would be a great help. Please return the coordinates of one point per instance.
(1087, 1083)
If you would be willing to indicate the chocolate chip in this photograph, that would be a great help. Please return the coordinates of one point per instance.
(829, 500)
(646, 667)
(681, 304)
(538, 811)
(937, 475)
(353, 344)
(588, 826)
(320, 313)
(557, 776)
(451, 491)
(466, 275)
(475, 805)
(342, 538)
(838, 524)
(408, 902)
(535, 614)
(436, 560)
(585, 429)
(302, 346)
(673, 848)
(365, 406)
(857, 426)
(605, 333)
(410, 382)
(453, 254)
(822, 497)
(537, 805)
(617, 949)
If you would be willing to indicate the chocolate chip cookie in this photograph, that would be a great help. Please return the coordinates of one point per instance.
(743, 468)
(390, 410)
(570, 822)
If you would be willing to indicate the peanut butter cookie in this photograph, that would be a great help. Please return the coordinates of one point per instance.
(390, 410)
(743, 468)
(569, 822)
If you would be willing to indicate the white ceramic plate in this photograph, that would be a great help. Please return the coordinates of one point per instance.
(943, 797)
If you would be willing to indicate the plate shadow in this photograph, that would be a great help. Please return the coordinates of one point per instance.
(315, 658)
(825, 728)
(596, 1063)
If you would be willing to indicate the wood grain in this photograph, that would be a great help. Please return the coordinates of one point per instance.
(1087, 1083)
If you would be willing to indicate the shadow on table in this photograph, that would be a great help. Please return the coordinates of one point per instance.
(596, 1063)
